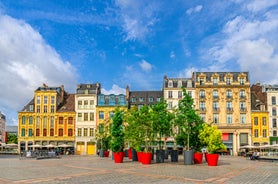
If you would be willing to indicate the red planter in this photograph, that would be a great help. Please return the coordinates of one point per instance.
(212, 159)
(118, 157)
(139, 156)
(198, 158)
(130, 153)
(106, 153)
(146, 158)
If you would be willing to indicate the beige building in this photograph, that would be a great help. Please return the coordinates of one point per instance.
(2, 127)
(85, 107)
(223, 98)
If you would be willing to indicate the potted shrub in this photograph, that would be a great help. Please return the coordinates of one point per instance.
(211, 137)
(117, 137)
(103, 137)
(189, 125)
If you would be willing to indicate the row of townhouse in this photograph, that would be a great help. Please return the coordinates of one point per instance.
(241, 112)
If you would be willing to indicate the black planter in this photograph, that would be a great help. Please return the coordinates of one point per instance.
(134, 155)
(160, 155)
(166, 154)
(174, 155)
(101, 153)
(126, 153)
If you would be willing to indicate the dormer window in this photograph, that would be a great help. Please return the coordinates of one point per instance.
(215, 81)
(179, 84)
(170, 84)
(228, 81)
(202, 81)
(241, 80)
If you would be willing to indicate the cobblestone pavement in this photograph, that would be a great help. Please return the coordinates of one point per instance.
(92, 169)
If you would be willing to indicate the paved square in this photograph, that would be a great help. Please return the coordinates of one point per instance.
(92, 169)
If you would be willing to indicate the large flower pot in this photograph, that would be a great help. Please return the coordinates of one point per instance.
(160, 155)
(134, 155)
(166, 154)
(106, 153)
(188, 157)
(139, 156)
(118, 157)
(130, 153)
(198, 158)
(212, 159)
(146, 158)
(174, 155)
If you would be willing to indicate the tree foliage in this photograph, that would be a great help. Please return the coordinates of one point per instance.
(117, 132)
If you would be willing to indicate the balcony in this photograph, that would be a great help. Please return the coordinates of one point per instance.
(216, 109)
(242, 97)
(202, 109)
(216, 97)
(243, 109)
(229, 109)
(229, 97)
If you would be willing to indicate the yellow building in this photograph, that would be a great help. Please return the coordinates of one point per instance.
(48, 119)
(223, 98)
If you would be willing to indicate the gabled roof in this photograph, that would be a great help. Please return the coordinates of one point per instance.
(68, 105)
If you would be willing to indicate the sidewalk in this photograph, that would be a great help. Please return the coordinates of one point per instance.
(92, 169)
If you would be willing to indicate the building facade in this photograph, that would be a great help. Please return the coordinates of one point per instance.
(223, 98)
(272, 106)
(85, 106)
(2, 127)
(48, 119)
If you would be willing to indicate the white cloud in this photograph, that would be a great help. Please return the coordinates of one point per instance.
(145, 66)
(26, 63)
(172, 55)
(259, 5)
(196, 9)
(138, 18)
(116, 90)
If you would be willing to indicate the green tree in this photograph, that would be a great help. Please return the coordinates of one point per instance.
(188, 123)
(117, 132)
(12, 138)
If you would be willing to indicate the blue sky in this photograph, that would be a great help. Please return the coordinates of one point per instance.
(135, 43)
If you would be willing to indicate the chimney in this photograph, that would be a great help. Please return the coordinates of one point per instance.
(127, 92)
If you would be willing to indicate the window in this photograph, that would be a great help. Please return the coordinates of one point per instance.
(38, 121)
(44, 132)
(242, 94)
(203, 117)
(52, 121)
(189, 93)
(86, 118)
(44, 122)
(202, 94)
(141, 99)
(52, 99)
(38, 100)
(255, 120)
(274, 133)
(215, 81)
(243, 118)
(179, 94)
(91, 132)
(274, 111)
(229, 93)
(30, 120)
(241, 80)
(70, 120)
(23, 132)
(79, 104)
(170, 84)
(101, 115)
(242, 106)
(79, 116)
(45, 100)
(92, 103)
(85, 132)
(86, 104)
(264, 133)
(52, 110)
(170, 94)
(60, 132)
(60, 120)
(38, 109)
(273, 100)
(202, 81)
(23, 120)
(70, 132)
(215, 94)
(170, 105)
(151, 99)
(256, 133)
(51, 132)
(30, 132)
(215, 118)
(243, 138)
(31, 107)
(158, 99)
(274, 123)
(229, 118)
(264, 121)
(229, 106)
(202, 106)
(179, 84)
(111, 114)
(133, 99)
(215, 106)
(37, 132)
(92, 117)
(79, 132)
(45, 108)
(228, 81)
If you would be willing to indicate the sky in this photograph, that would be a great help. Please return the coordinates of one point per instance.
(126, 42)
